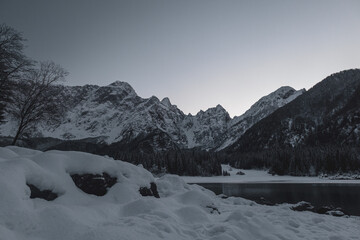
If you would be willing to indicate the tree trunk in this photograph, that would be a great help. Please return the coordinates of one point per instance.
(16, 136)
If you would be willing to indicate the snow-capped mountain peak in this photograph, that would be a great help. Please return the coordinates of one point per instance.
(166, 102)
(119, 86)
(261, 109)
(213, 111)
(116, 113)
(271, 102)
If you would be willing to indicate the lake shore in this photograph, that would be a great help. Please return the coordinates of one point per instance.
(262, 176)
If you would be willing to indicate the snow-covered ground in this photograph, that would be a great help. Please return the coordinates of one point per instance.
(182, 212)
(260, 176)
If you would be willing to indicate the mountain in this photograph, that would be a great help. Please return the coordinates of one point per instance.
(115, 114)
(291, 132)
(317, 133)
(261, 109)
(328, 113)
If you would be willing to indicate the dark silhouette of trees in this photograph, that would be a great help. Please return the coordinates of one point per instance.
(36, 97)
(13, 63)
(26, 93)
(180, 162)
(189, 162)
(302, 160)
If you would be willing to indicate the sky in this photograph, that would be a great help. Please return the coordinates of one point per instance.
(198, 53)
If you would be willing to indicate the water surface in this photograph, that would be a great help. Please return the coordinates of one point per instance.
(346, 196)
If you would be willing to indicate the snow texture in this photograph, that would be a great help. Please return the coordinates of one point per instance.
(182, 212)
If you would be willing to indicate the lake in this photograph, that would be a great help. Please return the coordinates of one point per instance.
(345, 196)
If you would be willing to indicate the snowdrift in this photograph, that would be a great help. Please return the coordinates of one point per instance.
(55, 195)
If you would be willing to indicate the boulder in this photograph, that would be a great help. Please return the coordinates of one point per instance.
(303, 206)
(47, 195)
(329, 210)
(96, 184)
(336, 213)
(324, 209)
(152, 191)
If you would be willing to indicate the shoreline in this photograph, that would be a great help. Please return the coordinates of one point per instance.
(263, 177)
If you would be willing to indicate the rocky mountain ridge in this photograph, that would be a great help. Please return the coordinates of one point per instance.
(115, 113)
(327, 114)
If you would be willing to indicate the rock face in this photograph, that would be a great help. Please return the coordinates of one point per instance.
(206, 129)
(116, 114)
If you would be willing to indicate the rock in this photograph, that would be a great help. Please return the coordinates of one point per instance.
(303, 206)
(47, 195)
(95, 184)
(213, 209)
(240, 173)
(144, 191)
(264, 201)
(335, 213)
(223, 196)
(324, 209)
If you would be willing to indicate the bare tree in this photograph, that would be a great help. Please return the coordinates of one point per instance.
(36, 98)
(12, 63)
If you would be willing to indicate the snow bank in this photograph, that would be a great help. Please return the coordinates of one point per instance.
(182, 212)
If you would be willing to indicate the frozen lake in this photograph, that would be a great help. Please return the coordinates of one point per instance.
(346, 196)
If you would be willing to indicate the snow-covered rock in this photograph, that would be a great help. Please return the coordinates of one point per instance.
(182, 212)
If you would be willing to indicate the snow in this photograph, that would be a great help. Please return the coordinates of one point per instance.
(115, 112)
(183, 211)
(166, 102)
(261, 176)
(261, 109)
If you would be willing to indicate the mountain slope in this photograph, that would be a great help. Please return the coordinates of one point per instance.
(261, 109)
(328, 113)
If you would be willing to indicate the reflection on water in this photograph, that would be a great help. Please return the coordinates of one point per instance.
(346, 196)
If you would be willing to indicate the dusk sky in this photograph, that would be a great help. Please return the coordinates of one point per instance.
(198, 53)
